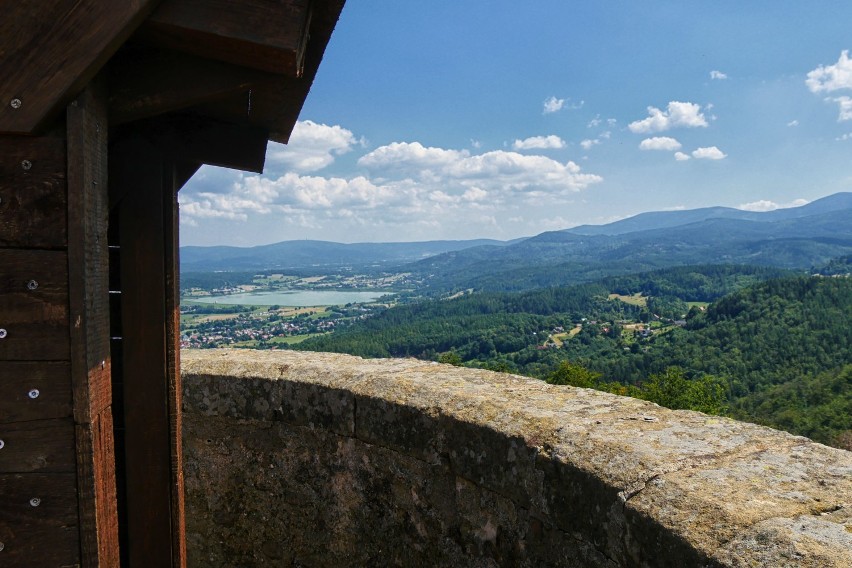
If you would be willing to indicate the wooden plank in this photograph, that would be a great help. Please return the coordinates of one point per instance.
(37, 446)
(171, 225)
(138, 168)
(275, 107)
(199, 139)
(32, 192)
(19, 402)
(88, 277)
(150, 82)
(184, 172)
(264, 35)
(51, 50)
(33, 305)
(44, 535)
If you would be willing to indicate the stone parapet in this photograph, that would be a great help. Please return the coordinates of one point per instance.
(310, 459)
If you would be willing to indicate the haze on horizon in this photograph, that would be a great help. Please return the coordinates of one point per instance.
(498, 119)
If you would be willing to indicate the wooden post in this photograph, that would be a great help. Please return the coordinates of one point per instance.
(88, 274)
(146, 205)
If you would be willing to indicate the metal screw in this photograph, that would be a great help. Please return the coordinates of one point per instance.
(35, 502)
(15, 103)
(2, 546)
(27, 165)
(33, 394)
(2, 443)
(3, 333)
(32, 285)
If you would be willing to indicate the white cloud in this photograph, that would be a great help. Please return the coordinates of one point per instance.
(681, 157)
(312, 147)
(659, 143)
(766, 205)
(709, 153)
(843, 137)
(539, 143)
(552, 105)
(718, 75)
(676, 114)
(845, 104)
(829, 78)
(589, 143)
(793, 123)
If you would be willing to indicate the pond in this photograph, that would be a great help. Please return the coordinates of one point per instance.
(292, 298)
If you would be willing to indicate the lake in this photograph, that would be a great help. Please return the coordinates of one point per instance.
(292, 298)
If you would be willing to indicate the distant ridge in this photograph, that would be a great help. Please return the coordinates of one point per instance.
(666, 219)
(311, 253)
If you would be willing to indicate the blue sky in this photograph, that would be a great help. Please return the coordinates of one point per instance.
(472, 118)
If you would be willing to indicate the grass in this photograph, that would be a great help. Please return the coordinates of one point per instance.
(635, 300)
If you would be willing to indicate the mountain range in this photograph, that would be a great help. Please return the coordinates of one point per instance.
(797, 238)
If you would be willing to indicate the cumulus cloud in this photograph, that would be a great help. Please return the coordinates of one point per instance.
(830, 78)
(767, 205)
(552, 104)
(793, 123)
(312, 147)
(539, 143)
(589, 143)
(718, 75)
(845, 104)
(677, 114)
(681, 157)
(709, 153)
(659, 143)
(404, 185)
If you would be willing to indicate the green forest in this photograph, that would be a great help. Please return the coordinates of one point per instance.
(754, 343)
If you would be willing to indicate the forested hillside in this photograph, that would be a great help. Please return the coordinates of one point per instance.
(775, 350)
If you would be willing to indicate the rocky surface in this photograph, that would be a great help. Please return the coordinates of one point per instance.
(306, 459)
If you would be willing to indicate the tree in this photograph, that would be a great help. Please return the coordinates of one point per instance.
(575, 375)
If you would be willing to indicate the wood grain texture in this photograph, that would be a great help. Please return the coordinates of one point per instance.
(51, 50)
(32, 192)
(51, 380)
(46, 535)
(37, 446)
(138, 167)
(275, 107)
(269, 36)
(148, 82)
(88, 277)
(35, 320)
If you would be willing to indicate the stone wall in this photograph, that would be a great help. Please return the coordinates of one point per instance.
(305, 459)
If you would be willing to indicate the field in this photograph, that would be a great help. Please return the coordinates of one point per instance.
(635, 300)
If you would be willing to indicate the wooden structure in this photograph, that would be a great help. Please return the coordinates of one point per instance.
(106, 109)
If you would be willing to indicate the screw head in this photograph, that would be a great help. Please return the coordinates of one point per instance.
(2, 443)
(32, 285)
(35, 502)
(3, 333)
(15, 103)
(26, 165)
(33, 394)
(2, 546)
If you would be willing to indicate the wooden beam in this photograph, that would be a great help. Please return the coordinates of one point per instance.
(88, 280)
(275, 106)
(154, 497)
(147, 82)
(52, 383)
(263, 35)
(51, 50)
(198, 139)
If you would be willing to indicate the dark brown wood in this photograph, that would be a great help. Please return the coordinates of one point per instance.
(184, 172)
(198, 139)
(275, 107)
(150, 82)
(33, 305)
(44, 535)
(20, 402)
(264, 35)
(171, 224)
(40, 446)
(88, 277)
(51, 50)
(32, 192)
(138, 169)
